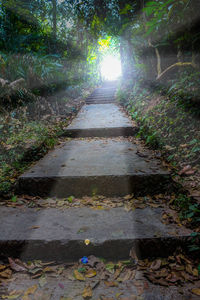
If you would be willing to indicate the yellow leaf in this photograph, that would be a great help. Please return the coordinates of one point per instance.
(6, 274)
(90, 273)
(78, 275)
(31, 290)
(26, 298)
(2, 267)
(195, 272)
(14, 296)
(87, 292)
(196, 292)
(111, 283)
(189, 269)
(48, 270)
(87, 242)
(128, 197)
(99, 207)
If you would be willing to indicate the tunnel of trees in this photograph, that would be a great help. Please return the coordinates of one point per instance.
(56, 42)
(51, 46)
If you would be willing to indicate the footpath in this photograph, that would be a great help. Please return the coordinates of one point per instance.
(98, 156)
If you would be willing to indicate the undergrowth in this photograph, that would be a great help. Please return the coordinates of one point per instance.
(29, 131)
(168, 120)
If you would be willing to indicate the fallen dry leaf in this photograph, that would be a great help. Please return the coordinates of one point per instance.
(31, 290)
(128, 197)
(90, 273)
(2, 267)
(156, 264)
(78, 275)
(93, 260)
(111, 283)
(196, 291)
(126, 277)
(6, 274)
(16, 267)
(35, 227)
(48, 270)
(187, 170)
(87, 292)
(13, 295)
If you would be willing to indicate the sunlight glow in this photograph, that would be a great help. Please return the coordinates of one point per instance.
(111, 68)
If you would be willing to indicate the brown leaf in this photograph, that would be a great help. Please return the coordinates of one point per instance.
(195, 272)
(173, 277)
(187, 170)
(111, 283)
(48, 270)
(162, 273)
(117, 273)
(16, 267)
(154, 205)
(196, 291)
(93, 260)
(156, 264)
(87, 292)
(6, 274)
(128, 197)
(35, 227)
(153, 280)
(90, 273)
(129, 298)
(127, 276)
(2, 267)
(13, 295)
(189, 269)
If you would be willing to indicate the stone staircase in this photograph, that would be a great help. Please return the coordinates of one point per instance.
(100, 159)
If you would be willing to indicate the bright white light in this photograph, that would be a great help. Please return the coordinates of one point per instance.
(110, 68)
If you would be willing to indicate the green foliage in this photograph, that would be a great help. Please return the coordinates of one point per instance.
(195, 244)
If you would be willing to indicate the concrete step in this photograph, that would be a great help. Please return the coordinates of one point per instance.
(101, 120)
(100, 102)
(102, 95)
(100, 98)
(58, 285)
(109, 166)
(59, 235)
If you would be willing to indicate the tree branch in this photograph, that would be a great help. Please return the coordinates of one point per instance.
(178, 64)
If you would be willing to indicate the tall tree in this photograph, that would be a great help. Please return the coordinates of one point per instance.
(54, 2)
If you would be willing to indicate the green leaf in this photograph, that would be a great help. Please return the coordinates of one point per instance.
(126, 9)
(198, 268)
(14, 199)
(70, 199)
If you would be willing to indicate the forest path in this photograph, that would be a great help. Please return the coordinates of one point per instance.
(102, 157)
(112, 166)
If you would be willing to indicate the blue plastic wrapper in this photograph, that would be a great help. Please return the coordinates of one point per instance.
(84, 260)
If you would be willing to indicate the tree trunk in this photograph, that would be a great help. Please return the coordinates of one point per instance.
(54, 18)
(123, 56)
